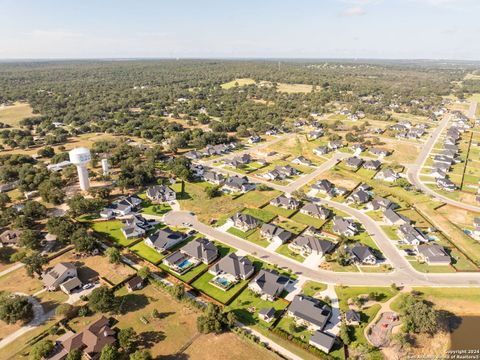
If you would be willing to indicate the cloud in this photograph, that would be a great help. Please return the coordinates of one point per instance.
(353, 11)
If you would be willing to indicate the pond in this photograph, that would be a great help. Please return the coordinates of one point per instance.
(466, 335)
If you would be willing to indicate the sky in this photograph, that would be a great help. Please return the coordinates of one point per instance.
(380, 29)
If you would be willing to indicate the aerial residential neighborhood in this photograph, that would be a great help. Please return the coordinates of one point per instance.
(239, 180)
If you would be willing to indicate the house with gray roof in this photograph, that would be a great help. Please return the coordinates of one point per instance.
(161, 193)
(317, 211)
(274, 233)
(324, 186)
(267, 314)
(239, 267)
(322, 341)
(379, 151)
(359, 196)
(335, 144)
(391, 217)
(237, 184)
(354, 162)
(301, 160)
(285, 202)
(269, 284)
(372, 164)
(306, 245)
(10, 238)
(243, 221)
(321, 150)
(433, 254)
(381, 203)
(363, 255)
(388, 175)
(352, 318)
(202, 249)
(213, 177)
(309, 312)
(164, 239)
(344, 227)
(411, 235)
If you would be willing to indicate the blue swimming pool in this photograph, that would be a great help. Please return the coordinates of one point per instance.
(184, 264)
(222, 281)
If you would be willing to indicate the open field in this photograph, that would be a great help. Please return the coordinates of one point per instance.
(295, 88)
(12, 115)
(19, 281)
(92, 266)
(460, 301)
(238, 82)
(111, 230)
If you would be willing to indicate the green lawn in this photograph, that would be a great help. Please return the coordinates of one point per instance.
(146, 252)
(256, 238)
(424, 267)
(261, 214)
(111, 230)
(202, 284)
(286, 213)
(294, 227)
(308, 220)
(284, 250)
(300, 332)
(247, 305)
(375, 215)
(310, 288)
(156, 209)
(391, 232)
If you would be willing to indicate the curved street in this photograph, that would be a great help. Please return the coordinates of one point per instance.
(402, 275)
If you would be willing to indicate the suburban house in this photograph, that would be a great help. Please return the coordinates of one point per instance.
(193, 155)
(239, 267)
(285, 202)
(322, 341)
(254, 139)
(161, 193)
(391, 217)
(324, 186)
(202, 249)
(372, 164)
(239, 161)
(53, 278)
(476, 226)
(273, 175)
(244, 222)
(213, 177)
(359, 196)
(363, 255)
(307, 245)
(10, 238)
(446, 184)
(354, 162)
(321, 150)
(286, 170)
(301, 160)
(90, 341)
(274, 233)
(411, 235)
(358, 148)
(388, 175)
(381, 203)
(433, 254)
(344, 227)
(121, 207)
(197, 170)
(164, 239)
(379, 152)
(135, 283)
(237, 184)
(8, 186)
(335, 144)
(352, 318)
(132, 231)
(316, 211)
(268, 284)
(309, 312)
(267, 314)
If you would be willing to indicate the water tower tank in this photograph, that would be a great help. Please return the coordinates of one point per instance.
(80, 157)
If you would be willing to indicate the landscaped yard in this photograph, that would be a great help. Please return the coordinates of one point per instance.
(260, 214)
(294, 227)
(286, 213)
(202, 284)
(156, 209)
(310, 288)
(111, 230)
(308, 220)
(147, 252)
(284, 250)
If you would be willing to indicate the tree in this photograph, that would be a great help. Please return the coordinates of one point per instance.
(213, 320)
(345, 334)
(14, 308)
(51, 192)
(178, 291)
(127, 339)
(114, 256)
(62, 227)
(66, 310)
(212, 191)
(79, 205)
(34, 210)
(109, 352)
(41, 349)
(83, 241)
(74, 355)
(141, 355)
(102, 299)
(419, 316)
(144, 272)
(34, 263)
(4, 200)
(299, 194)
(30, 239)
(46, 151)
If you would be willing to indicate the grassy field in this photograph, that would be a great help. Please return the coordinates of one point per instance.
(19, 281)
(238, 82)
(279, 211)
(12, 115)
(308, 220)
(294, 227)
(111, 230)
(460, 301)
(295, 88)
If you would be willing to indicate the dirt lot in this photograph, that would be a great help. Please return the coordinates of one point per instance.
(339, 180)
(458, 216)
(226, 346)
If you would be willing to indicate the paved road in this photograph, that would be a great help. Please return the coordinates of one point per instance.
(14, 267)
(403, 275)
(472, 110)
(413, 172)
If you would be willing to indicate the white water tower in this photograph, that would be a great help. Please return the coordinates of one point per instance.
(105, 167)
(80, 157)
